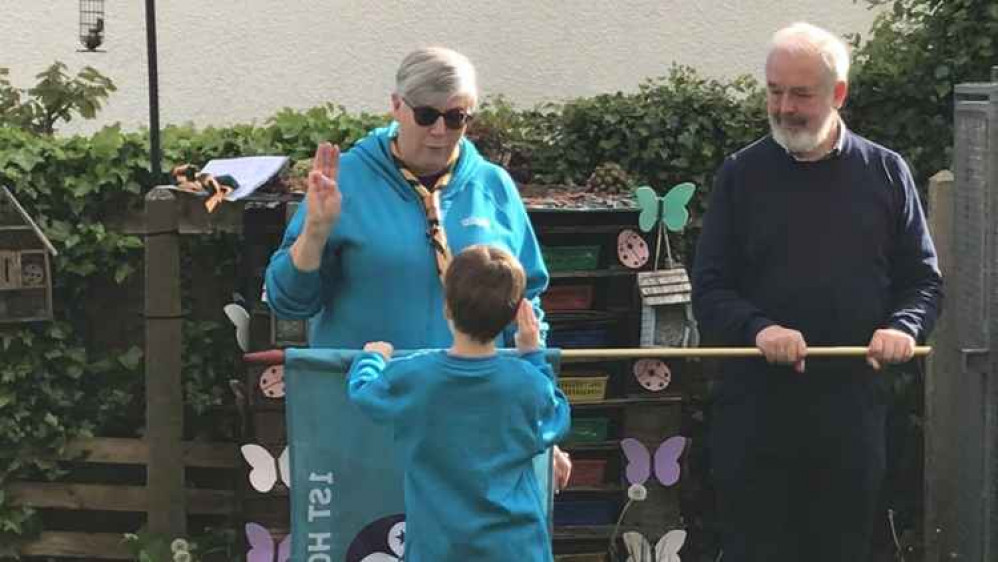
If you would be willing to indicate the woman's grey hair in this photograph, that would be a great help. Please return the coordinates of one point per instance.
(803, 37)
(433, 75)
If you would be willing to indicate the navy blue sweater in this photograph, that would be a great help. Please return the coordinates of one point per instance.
(835, 248)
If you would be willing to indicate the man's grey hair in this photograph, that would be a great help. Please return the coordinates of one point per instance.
(803, 37)
(434, 75)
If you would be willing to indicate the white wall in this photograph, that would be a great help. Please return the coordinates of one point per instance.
(233, 61)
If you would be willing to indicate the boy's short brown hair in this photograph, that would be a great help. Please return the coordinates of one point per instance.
(483, 287)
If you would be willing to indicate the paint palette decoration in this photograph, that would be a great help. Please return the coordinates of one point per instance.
(666, 549)
(265, 469)
(272, 381)
(632, 250)
(652, 374)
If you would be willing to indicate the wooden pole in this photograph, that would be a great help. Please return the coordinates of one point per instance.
(167, 509)
(276, 356)
(721, 352)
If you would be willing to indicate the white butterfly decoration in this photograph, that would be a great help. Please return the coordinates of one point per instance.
(396, 542)
(265, 468)
(666, 549)
(241, 320)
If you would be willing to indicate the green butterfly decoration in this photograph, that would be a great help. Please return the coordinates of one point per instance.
(669, 211)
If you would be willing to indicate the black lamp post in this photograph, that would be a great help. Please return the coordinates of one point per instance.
(92, 37)
(154, 148)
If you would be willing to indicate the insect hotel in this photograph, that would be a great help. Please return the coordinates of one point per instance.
(666, 309)
(25, 271)
(666, 294)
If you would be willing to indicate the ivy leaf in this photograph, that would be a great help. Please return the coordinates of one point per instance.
(130, 243)
(11, 526)
(26, 160)
(130, 359)
(108, 141)
(122, 272)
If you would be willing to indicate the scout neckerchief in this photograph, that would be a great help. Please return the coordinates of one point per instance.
(431, 205)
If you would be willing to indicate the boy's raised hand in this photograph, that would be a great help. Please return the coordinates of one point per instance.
(528, 329)
(383, 348)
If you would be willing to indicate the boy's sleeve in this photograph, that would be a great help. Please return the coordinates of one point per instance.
(368, 387)
(554, 413)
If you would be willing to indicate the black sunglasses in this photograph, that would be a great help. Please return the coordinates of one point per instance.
(427, 116)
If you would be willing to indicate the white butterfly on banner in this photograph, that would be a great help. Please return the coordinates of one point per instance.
(666, 549)
(265, 469)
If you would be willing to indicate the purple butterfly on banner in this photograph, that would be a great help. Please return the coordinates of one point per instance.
(262, 545)
(666, 466)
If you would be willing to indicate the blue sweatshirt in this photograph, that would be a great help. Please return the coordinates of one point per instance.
(466, 430)
(378, 278)
(835, 248)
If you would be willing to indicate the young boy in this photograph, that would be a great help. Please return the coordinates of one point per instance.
(468, 421)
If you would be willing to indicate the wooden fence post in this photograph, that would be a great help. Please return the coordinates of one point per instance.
(938, 420)
(941, 212)
(167, 503)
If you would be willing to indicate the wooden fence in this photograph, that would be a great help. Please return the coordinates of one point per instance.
(89, 500)
(164, 501)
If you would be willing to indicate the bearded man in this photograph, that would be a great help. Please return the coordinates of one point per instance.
(814, 236)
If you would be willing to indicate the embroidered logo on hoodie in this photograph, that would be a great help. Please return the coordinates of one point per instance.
(481, 222)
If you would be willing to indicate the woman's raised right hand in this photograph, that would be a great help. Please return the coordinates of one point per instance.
(323, 197)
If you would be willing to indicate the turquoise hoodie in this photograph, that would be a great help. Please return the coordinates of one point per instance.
(378, 279)
(466, 431)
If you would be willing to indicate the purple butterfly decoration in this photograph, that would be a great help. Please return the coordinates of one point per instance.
(639, 460)
(262, 545)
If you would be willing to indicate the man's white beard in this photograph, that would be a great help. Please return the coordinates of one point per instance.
(802, 141)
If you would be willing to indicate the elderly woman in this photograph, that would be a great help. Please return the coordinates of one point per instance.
(363, 256)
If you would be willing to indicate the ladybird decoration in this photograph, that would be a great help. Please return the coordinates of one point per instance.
(632, 250)
(272, 382)
(652, 374)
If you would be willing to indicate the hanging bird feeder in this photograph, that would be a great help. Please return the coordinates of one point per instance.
(91, 24)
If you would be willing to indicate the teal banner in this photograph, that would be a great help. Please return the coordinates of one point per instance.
(346, 481)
